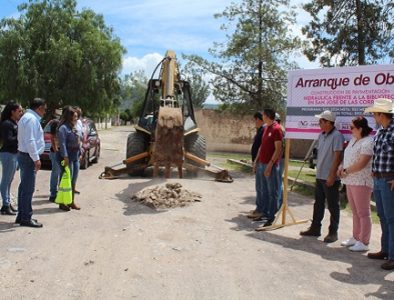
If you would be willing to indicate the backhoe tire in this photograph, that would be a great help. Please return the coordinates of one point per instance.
(137, 142)
(196, 145)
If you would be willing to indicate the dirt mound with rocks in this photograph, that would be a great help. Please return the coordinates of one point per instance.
(169, 196)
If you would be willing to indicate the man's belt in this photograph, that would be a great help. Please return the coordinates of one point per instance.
(382, 174)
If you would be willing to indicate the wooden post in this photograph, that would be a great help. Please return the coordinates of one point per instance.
(284, 209)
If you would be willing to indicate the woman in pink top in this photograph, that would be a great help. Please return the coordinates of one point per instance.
(356, 174)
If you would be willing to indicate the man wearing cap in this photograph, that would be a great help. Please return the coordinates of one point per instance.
(383, 177)
(329, 156)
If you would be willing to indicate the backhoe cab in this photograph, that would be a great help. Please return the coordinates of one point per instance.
(166, 134)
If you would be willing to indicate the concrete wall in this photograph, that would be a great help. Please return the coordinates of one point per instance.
(229, 133)
(225, 132)
(103, 123)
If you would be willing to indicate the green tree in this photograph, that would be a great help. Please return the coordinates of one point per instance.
(199, 86)
(250, 68)
(56, 52)
(353, 32)
(132, 92)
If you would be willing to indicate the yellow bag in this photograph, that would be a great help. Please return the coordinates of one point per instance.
(65, 191)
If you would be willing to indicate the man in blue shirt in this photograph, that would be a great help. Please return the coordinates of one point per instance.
(30, 145)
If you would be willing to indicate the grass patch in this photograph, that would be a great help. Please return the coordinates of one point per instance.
(297, 163)
(306, 176)
(236, 167)
(374, 216)
(303, 190)
(227, 155)
(221, 160)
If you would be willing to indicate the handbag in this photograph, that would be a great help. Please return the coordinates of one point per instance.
(65, 193)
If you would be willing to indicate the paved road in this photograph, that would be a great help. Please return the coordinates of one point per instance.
(117, 249)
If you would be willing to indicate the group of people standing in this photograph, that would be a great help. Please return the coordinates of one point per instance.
(267, 152)
(365, 165)
(22, 143)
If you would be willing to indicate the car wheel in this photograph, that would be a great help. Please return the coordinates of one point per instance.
(96, 155)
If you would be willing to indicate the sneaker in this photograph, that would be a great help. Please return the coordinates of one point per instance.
(359, 247)
(269, 222)
(260, 219)
(349, 242)
(331, 237)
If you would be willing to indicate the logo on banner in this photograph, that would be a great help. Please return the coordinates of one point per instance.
(303, 124)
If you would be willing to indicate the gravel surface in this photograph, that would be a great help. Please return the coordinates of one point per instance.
(116, 248)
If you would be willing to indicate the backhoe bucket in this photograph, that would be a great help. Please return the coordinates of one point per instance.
(168, 140)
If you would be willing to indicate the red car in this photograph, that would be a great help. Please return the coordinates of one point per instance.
(90, 144)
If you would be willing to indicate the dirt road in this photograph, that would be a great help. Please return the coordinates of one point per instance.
(117, 249)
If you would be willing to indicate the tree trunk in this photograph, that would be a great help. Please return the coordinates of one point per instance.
(360, 33)
(260, 65)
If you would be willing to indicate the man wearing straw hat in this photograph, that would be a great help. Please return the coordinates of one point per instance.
(329, 156)
(383, 177)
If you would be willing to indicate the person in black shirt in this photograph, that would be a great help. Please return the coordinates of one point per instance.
(8, 153)
(258, 118)
(55, 171)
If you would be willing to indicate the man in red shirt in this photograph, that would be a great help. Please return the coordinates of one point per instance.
(267, 169)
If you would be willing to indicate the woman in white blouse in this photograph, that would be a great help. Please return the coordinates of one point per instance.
(356, 174)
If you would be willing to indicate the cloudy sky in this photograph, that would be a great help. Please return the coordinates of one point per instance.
(148, 27)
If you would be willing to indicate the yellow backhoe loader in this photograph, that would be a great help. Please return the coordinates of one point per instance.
(167, 134)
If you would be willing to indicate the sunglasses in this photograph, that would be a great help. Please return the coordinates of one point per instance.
(352, 127)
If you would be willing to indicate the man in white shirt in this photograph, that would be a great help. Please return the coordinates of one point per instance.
(30, 146)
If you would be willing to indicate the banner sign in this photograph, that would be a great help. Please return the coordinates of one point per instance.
(346, 91)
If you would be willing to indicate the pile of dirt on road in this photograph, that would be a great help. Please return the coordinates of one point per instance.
(169, 196)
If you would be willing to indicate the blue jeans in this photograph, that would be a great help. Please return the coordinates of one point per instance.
(267, 191)
(26, 186)
(384, 198)
(9, 164)
(55, 174)
(281, 170)
(76, 166)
